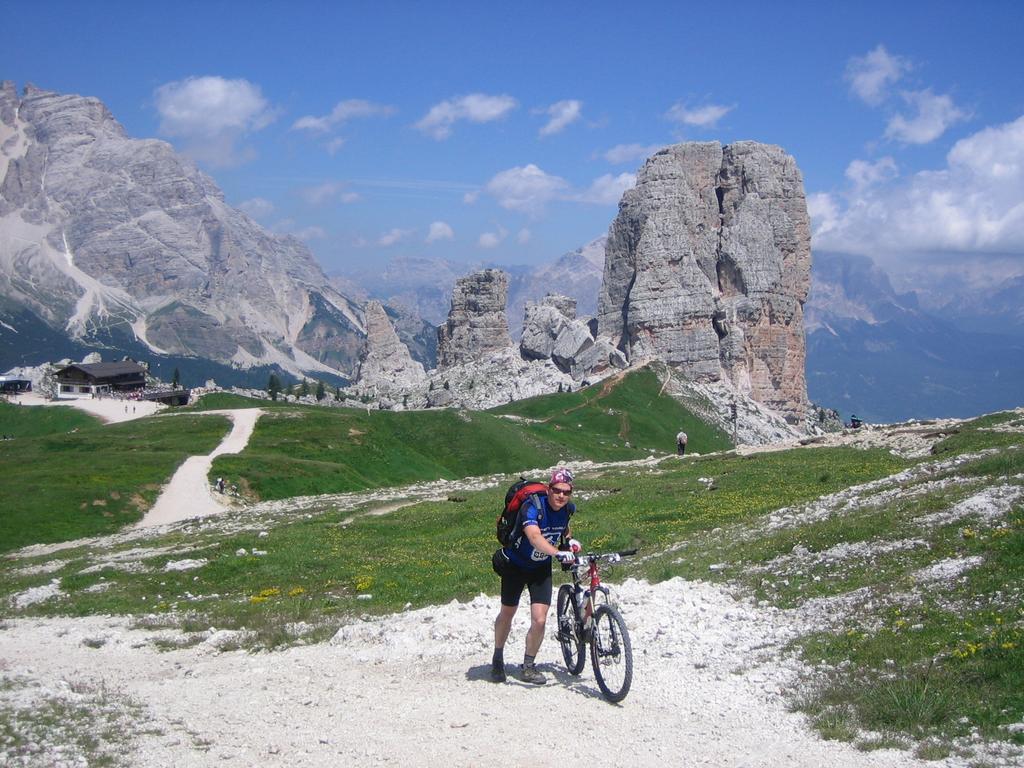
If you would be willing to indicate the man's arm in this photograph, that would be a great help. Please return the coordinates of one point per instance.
(537, 540)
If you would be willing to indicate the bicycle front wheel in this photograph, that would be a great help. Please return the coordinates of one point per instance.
(611, 653)
(568, 638)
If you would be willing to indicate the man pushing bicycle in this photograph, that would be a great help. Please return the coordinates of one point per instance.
(526, 563)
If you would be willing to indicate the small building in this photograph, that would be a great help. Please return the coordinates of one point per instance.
(168, 396)
(13, 384)
(91, 379)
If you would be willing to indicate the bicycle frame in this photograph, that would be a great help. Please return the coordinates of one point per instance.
(594, 576)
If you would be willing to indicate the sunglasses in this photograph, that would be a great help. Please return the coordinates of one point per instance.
(562, 492)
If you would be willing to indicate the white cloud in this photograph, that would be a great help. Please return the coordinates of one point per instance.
(871, 75)
(630, 153)
(527, 189)
(492, 239)
(393, 236)
(343, 111)
(701, 117)
(321, 193)
(864, 174)
(471, 197)
(607, 189)
(524, 236)
(975, 204)
(210, 114)
(440, 230)
(933, 115)
(476, 108)
(209, 105)
(350, 197)
(334, 145)
(995, 154)
(257, 207)
(562, 114)
(825, 214)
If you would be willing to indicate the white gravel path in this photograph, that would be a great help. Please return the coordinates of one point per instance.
(412, 690)
(188, 494)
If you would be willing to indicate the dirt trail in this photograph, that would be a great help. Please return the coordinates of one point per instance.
(188, 494)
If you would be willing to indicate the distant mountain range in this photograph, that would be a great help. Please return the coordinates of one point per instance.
(879, 354)
(423, 286)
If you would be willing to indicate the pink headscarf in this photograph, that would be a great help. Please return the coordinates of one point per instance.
(561, 475)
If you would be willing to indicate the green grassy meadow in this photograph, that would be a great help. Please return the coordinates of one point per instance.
(18, 421)
(67, 476)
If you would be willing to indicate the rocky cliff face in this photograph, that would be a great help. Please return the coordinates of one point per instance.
(477, 324)
(551, 331)
(385, 364)
(102, 233)
(707, 267)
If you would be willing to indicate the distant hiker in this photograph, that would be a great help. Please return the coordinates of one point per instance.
(855, 422)
(526, 563)
(681, 439)
(220, 485)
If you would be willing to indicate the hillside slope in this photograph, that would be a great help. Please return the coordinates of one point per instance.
(311, 451)
(873, 580)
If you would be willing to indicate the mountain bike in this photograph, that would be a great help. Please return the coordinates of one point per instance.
(586, 616)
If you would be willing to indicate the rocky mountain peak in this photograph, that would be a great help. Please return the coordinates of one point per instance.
(707, 267)
(105, 236)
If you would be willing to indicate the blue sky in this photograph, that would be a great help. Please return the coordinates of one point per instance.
(505, 132)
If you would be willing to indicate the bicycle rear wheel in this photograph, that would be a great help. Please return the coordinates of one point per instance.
(611, 653)
(568, 620)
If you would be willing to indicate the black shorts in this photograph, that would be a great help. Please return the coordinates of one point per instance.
(515, 579)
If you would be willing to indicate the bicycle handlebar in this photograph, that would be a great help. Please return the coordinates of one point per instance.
(613, 556)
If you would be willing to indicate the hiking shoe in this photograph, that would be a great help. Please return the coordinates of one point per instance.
(498, 673)
(533, 675)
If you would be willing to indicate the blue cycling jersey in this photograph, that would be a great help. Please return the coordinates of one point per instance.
(552, 525)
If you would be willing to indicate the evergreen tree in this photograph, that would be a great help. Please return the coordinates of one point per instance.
(273, 386)
(321, 391)
(176, 378)
(304, 388)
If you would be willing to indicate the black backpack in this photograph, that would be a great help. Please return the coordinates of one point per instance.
(509, 523)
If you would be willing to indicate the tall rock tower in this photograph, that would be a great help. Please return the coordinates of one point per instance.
(708, 265)
(477, 323)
